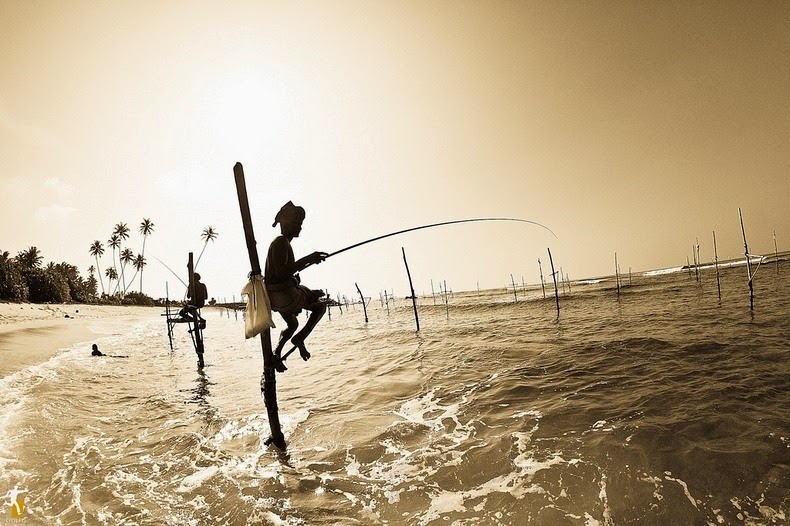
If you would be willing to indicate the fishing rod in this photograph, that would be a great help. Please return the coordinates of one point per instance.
(336, 252)
(171, 270)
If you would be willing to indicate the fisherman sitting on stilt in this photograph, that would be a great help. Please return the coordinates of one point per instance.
(286, 294)
(198, 297)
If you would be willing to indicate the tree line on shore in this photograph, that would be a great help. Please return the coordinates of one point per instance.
(25, 278)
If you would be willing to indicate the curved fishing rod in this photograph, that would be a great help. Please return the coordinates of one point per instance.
(440, 224)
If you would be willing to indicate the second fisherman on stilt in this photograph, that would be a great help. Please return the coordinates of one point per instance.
(286, 293)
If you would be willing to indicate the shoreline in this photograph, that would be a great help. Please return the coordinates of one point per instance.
(32, 333)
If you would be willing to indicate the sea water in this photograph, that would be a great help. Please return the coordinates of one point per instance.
(662, 404)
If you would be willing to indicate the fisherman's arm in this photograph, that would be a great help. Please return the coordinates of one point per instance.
(311, 259)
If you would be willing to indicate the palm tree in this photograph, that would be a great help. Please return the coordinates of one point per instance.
(139, 263)
(30, 258)
(122, 231)
(97, 250)
(114, 242)
(127, 256)
(111, 274)
(146, 229)
(208, 234)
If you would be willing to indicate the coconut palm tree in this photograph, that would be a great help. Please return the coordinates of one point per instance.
(139, 263)
(30, 258)
(111, 274)
(115, 243)
(122, 231)
(97, 250)
(127, 256)
(146, 229)
(208, 234)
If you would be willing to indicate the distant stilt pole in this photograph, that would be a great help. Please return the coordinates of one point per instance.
(167, 314)
(478, 287)
(433, 294)
(716, 264)
(446, 302)
(268, 381)
(617, 273)
(364, 308)
(411, 287)
(387, 302)
(748, 263)
(776, 253)
(515, 295)
(542, 283)
(197, 332)
(554, 275)
(629, 276)
(688, 265)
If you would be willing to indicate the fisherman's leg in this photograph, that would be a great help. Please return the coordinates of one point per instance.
(317, 311)
(292, 323)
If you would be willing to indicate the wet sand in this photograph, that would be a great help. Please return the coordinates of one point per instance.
(31, 333)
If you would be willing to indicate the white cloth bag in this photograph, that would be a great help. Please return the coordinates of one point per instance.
(259, 309)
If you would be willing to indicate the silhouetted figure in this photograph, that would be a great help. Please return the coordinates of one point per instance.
(198, 297)
(286, 294)
(97, 352)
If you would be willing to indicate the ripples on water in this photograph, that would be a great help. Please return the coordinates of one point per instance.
(664, 406)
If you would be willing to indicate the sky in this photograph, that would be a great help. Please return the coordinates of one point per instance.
(628, 127)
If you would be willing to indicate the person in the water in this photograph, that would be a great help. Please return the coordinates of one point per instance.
(286, 293)
(96, 351)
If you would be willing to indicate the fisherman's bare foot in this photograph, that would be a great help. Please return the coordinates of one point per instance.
(299, 343)
(279, 364)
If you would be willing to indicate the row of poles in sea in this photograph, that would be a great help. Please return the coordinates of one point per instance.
(561, 283)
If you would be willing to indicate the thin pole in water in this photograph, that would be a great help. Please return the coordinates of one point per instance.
(716, 264)
(748, 263)
(411, 287)
(554, 276)
(268, 381)
(364, 307)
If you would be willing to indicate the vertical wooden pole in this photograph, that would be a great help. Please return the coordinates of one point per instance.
(515, 296)
(433, 294)
(748, 263)
(716, 264)
(542, 283)
(268, 381)
(554, 275)
(387, 302)
(446, 302)
(776, 253)
(411, 287)
(364, 307)
(617, 273)
(197, 332)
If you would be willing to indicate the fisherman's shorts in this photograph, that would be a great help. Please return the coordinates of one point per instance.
(293, 299)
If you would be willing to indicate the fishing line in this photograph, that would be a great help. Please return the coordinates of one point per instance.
(440, 224)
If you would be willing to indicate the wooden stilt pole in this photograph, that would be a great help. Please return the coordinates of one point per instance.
(716, 264)
(268, 381)
(446, 302)
(554, 275)
(748, 263)
(776, 253)
(515, 295)
(197, 332)
(617, 273)
(433, 294)
(364, 307)
(542, 283)
(411, 287)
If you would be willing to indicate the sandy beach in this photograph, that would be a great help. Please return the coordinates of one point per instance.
(30, 333)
